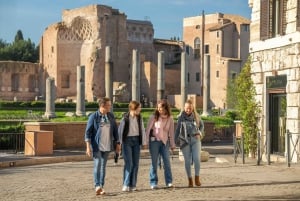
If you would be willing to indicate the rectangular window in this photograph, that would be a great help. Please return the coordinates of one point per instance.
(14, 82)
(245, 27)
(65, 81)
(217, 34)
(206, 49)
(31, 83)
(272, 18)
(197, 77)
(217, 74)
(218, 49)
(196, 53)
(188, 77)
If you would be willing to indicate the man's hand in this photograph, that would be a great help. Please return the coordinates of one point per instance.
(88, 151)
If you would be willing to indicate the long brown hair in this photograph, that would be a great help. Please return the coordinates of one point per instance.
(164, 103)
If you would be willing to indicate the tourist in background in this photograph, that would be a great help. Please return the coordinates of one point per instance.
(160, 134)
(132, 137)
(188, 135)
(101, 137)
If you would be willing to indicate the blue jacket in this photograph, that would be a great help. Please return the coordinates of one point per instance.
(93, 133)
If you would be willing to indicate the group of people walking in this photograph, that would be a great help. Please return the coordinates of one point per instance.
(102, 135)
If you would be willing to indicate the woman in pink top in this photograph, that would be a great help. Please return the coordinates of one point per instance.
(160, 133)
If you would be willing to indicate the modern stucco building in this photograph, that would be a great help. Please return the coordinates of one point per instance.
(275, 53)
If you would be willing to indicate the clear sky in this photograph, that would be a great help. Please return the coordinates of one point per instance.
(33, 16)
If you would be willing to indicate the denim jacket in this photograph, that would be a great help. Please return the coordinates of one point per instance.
(93, 131)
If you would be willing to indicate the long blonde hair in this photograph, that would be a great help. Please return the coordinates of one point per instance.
(195, 113)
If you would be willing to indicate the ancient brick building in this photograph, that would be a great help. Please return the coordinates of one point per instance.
(21, 80)
(81, 38)
(82, 35)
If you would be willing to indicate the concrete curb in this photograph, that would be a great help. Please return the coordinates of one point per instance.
(43, 160)
(38, 160)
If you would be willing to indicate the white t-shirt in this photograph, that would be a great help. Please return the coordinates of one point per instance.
(105, 139)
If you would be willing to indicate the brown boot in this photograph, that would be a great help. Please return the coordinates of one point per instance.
(191, 182)
(197, 181)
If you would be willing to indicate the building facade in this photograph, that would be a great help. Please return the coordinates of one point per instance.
(21, 80)
(81, 38)
(83, 34)
(225, 38)
(275, 49)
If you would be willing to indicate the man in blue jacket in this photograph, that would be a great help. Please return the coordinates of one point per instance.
(101, 137)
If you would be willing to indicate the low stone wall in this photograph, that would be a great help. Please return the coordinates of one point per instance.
(65, 135)
(71, 134)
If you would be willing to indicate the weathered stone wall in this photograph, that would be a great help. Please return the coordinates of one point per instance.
(71, 135)
(20, 80)
(81, 38)
(277, 55)
(65, 135)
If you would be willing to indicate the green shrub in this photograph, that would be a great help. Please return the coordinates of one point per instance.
(19, 128)
(231, 114)
(38, 104)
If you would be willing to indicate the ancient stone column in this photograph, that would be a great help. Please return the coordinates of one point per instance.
(160, 76)
(206, 86)
(80, 101)
(50, 98)
(108, 73)
(183, 88)
(136, 75)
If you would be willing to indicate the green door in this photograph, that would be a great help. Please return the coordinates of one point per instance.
(277, 120)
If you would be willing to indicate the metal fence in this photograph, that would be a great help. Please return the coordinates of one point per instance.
(238, 147)
(12, 142)
(293, 140)
(263, 148)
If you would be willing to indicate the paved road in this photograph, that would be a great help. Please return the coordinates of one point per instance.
(220, 181)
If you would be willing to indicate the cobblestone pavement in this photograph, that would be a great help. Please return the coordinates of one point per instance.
(220, 181)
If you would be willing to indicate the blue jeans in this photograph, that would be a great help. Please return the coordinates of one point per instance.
(100, 159)
(191, 153)
(131, 155)
(159, 148)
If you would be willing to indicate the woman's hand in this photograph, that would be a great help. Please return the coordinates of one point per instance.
(118, 148)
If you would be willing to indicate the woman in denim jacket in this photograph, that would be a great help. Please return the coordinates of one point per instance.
(188, 135)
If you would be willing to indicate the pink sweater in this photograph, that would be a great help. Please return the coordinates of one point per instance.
(162, 129)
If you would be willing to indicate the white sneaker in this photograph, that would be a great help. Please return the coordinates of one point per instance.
(153, 187)
(125, 189)
(133, 189)
(170, 185)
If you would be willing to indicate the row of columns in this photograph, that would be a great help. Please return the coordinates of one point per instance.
(80, 101)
